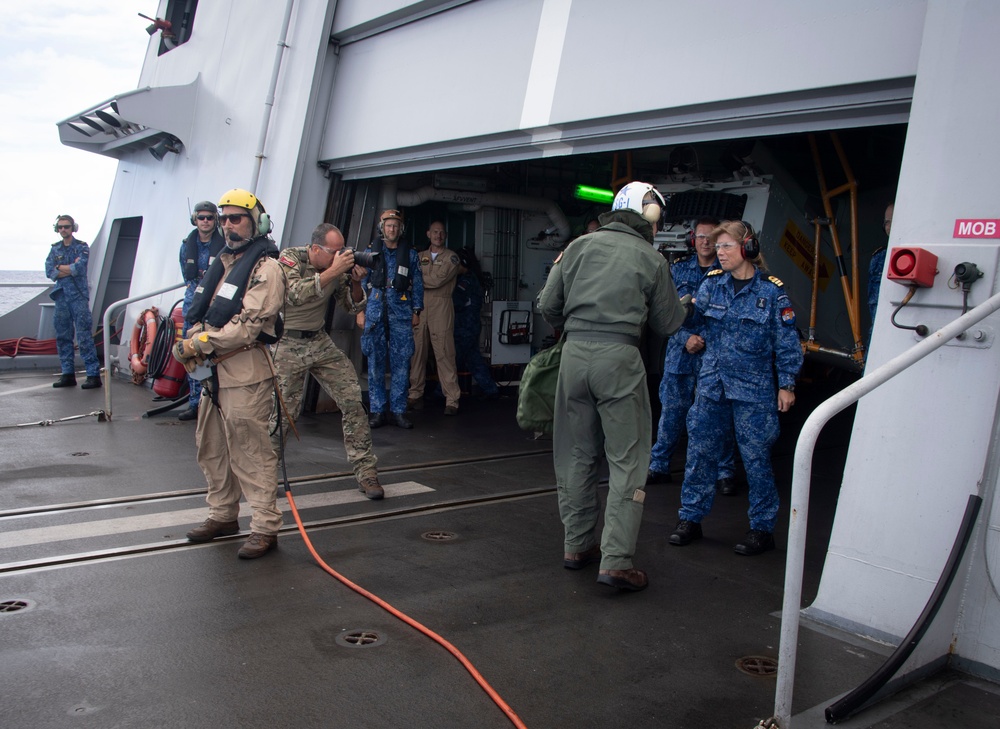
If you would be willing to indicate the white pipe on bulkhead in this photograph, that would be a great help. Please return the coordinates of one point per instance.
(269, 101)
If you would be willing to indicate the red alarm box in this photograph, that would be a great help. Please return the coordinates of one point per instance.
(912, 266)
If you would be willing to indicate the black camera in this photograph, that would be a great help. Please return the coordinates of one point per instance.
(366, 259)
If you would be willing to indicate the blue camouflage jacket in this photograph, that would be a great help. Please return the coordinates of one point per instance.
(75, 255)
(750, 338)
(401, 305)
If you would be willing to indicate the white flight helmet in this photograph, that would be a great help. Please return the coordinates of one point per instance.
(631, 196)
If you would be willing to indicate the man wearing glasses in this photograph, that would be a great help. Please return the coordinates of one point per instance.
(67, 266)
(313, 274)
(198, 250)
(685, 350)
(234, 315)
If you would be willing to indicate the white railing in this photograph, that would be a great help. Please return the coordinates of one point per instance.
(107, 338)
(801, 477)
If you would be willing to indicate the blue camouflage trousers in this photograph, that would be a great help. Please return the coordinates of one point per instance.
(400, 351)
(676, 398)
(70, 314)
(756, 428)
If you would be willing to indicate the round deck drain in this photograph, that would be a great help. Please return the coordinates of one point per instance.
(360, 639)
(758, 665)
(439, 536)
(15, 606)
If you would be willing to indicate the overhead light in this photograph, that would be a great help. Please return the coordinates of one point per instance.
(97, 126)
(109, 118)
(594, 194)
(165, 145)
(77, 128)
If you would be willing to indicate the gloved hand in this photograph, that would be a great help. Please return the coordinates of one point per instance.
(186, 349)
(688, 303)
(189, 352)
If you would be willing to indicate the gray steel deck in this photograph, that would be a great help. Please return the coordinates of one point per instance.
(169, 634)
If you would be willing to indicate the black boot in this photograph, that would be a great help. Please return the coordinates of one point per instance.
(190, 414)
(376, 420)
(65, 381)
(91, 383)
(401, 421)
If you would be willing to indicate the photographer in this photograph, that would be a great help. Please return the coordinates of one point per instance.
(313, 274)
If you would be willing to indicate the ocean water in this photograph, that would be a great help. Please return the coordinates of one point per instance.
(12, 297)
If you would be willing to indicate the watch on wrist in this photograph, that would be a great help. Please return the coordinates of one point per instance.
(789, 388)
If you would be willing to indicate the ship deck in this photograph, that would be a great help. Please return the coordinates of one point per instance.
(114, 620)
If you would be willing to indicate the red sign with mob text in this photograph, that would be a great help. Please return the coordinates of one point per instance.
(977, 229)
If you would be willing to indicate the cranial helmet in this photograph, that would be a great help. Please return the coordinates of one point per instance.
(631, 197)
(245, 199)
(240, 199)
(206, 206)
(390, 215)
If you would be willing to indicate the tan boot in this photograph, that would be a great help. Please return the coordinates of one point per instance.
(257, 545)
(212, 529)
(370, 487)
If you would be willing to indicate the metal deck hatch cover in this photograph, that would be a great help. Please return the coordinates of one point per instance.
(758, 665)
(360, 639)
(438, 535)
(15, 605)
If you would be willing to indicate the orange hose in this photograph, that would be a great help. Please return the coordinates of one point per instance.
(514, 719)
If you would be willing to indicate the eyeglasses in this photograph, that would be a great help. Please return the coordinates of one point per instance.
(702, 237)
(63, 227)
(206, 217)
(725, 246)
(233, 218)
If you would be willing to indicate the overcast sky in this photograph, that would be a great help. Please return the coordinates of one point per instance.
(58, 58)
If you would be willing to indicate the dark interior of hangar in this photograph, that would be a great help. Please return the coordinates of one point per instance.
(873, 155)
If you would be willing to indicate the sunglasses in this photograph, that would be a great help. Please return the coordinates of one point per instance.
(233, 218)
(64, 227)
(206, 217)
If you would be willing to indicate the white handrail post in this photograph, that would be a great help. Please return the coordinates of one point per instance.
(107, 339)
(802, 476)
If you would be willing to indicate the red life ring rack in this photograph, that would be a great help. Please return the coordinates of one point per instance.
(143, 336)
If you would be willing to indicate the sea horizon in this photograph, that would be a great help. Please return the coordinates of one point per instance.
(13, 296)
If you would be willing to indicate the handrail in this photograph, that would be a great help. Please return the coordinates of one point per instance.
(107, 338)
(801, 476)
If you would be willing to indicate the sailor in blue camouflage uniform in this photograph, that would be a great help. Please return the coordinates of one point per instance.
(198, 251)
(67, 266)
(751, 345)
(681, 364)
(395, 291)
(468, 300)
(875, 269)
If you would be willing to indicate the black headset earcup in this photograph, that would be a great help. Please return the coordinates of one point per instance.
(751, 246)
(194, 220)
